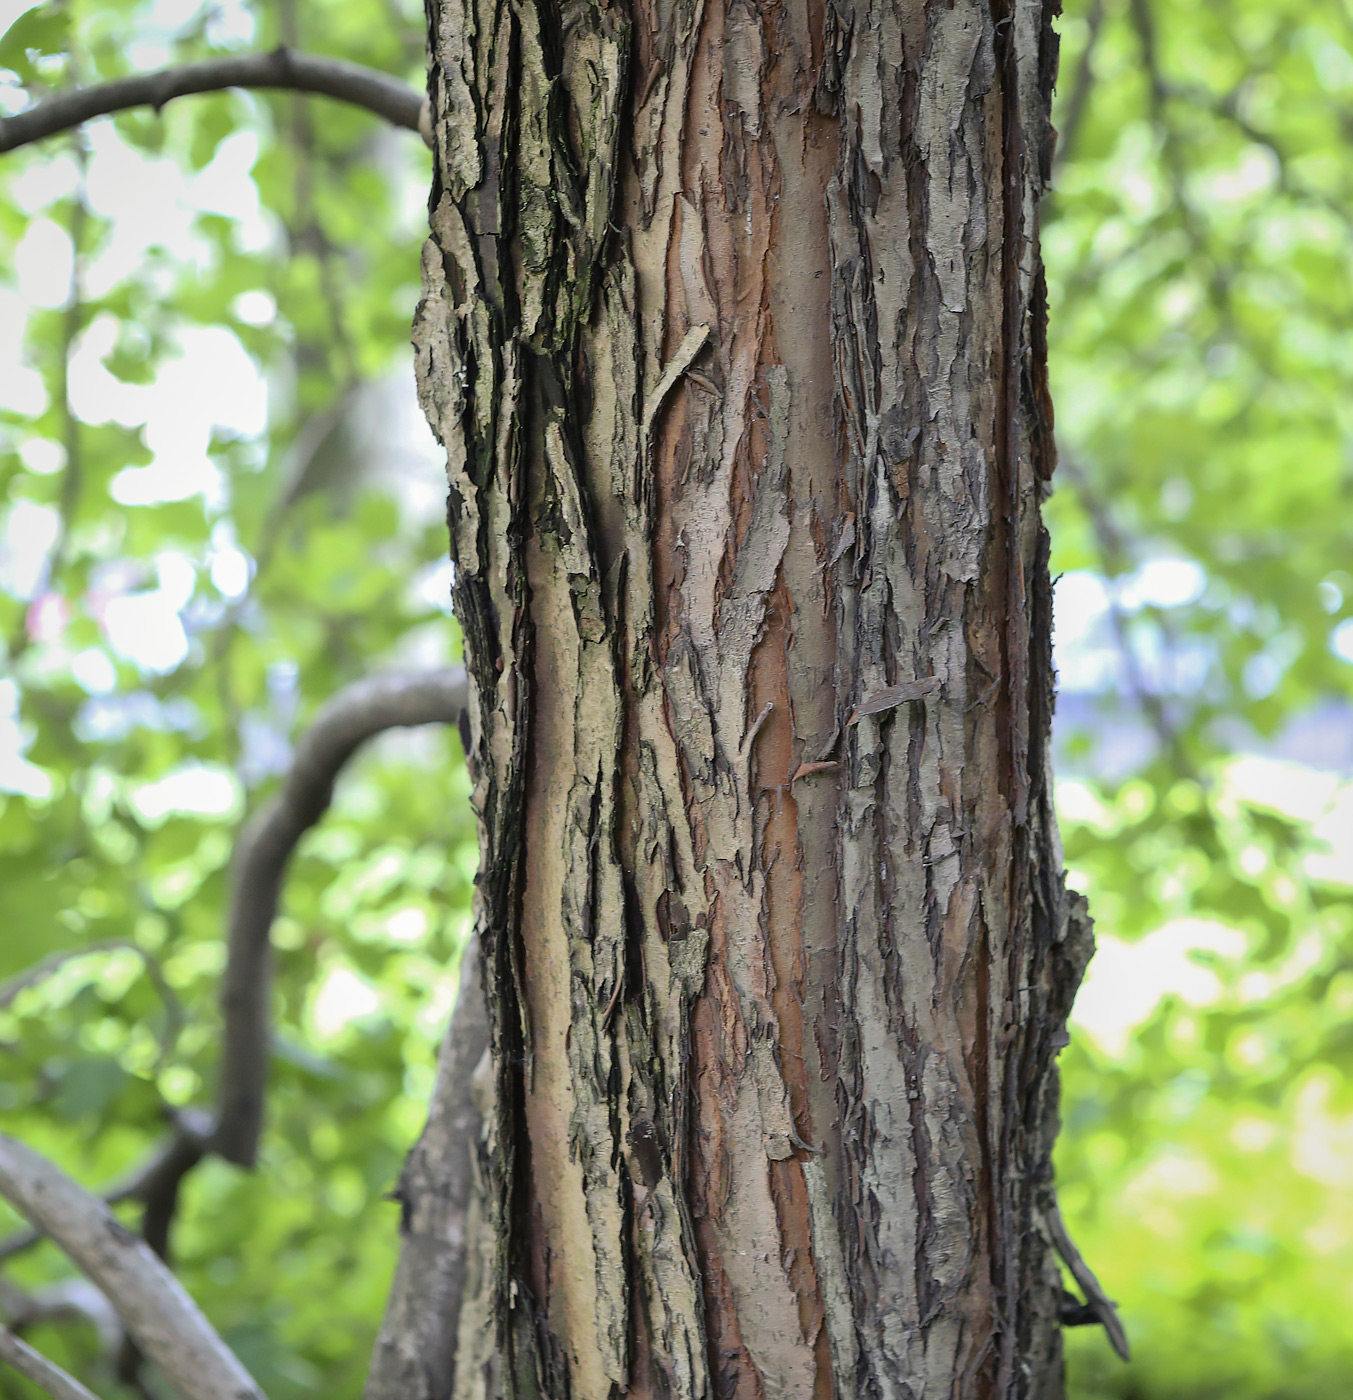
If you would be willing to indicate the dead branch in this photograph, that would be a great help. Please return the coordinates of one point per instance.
(378, 92)
(151, 1302)
(364, 709)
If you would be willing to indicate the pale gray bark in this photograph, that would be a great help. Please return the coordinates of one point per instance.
(153, 1306)
(45, 1374)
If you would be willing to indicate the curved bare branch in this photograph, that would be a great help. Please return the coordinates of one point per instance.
(331, 77)
(153, 1305)
(354, 715)
(434, 1193)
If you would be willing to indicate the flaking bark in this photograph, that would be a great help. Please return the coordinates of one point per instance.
(415, 1355)
(732, 330)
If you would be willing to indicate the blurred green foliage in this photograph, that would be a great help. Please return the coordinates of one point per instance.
(288, 228)
(1197, 242)
(1201, 332)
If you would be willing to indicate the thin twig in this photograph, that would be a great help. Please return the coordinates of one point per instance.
(1173, 159)
(151, 1302)
(308, 230)
(1115, 556)
(51, 964)
(378, 92)
(174, 1016)
(1096, 1299)
(1227, 107)
(54, 962)
(354, 715)
(1081, 86)
(44, 1374)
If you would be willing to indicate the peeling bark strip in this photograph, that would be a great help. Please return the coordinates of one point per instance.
(732, 331)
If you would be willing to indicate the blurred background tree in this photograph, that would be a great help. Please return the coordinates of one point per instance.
(1202, 352)
(221, 506)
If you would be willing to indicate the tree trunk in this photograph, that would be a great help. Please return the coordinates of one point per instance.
(733, 331)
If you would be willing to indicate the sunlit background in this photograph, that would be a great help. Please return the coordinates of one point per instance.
(221, 505)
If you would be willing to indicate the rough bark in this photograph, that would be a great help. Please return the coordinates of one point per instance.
(415, 1355)
(733, 332)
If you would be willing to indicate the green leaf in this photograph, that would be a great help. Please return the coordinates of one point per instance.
(41, 32)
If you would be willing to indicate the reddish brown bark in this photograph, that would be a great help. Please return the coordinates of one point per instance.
(732, 330)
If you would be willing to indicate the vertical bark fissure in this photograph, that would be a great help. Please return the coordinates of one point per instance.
(732, 331)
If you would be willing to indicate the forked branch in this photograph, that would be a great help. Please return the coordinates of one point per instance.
(154, 1307)
(435, 1188)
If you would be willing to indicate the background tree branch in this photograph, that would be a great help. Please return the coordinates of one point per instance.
(156, 1309)
(378, 92)
(155, 1183)
(72, 1300)
(45, 1374)
(354, 715)
(436, 1185)
(1073, 113)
